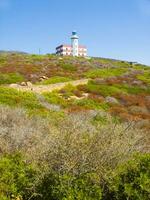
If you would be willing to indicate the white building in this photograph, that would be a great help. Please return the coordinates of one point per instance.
(72, 50)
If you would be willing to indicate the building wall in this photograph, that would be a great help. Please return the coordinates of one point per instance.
(66, 50)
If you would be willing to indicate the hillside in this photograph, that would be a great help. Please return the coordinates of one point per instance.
(118, 87)
(73, 128)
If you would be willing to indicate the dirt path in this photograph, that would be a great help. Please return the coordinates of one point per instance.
(48, 88)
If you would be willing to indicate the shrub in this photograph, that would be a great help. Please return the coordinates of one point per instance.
(108, 72)
(91, 104)
(145, 77)
(115, 89)
(55, 79)
(68, 90)
(133, 89)
(54, 98)
(132, 180)
(12, 97)
(11, 78)
(67, 66)
(67, 187)
(16, 177)
(103, 89)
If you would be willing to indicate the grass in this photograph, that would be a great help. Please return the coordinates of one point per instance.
(54, 98)
(91, 104)
(28, 101)
(104, 73)
(10, 78)
(145, 77)
(14, 98)
(55, 79)
(67, 66)
(104, 90)
(134, 89)
(111, 90)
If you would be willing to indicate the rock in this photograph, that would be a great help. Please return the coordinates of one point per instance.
(75, 97)
(111, 100)
(144, 123)
(147, 98)
(13, 85)
(23, 84)
(41, 79)
(29, 84)
(138, 110)
(44, 77)
(136, 82)
(85, 94)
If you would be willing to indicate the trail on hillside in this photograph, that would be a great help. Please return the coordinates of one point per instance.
(39, 89)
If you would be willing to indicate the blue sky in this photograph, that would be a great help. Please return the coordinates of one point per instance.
(109, 28)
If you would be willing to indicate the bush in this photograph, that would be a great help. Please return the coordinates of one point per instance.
(145, 77)
(11, 78)
(12, 97)
(115, 89)
(132, 180)
(55, 79)
(16, 177)
(67, 66)
(91, 104)
(104, 73)
(102, 89)
(67, 187)
(54, 98)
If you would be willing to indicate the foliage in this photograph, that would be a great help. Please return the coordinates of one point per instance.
(67, 187)
(10, 78)
(74, 154)
(16, 177)
(91, 104)
(12, 97)
(145, 77)
(132, 180)
(111, 90)
(55, 79)
(103, 89)
(54, 98)
(108, 72)
(67, 66)
(82, 153)
(69, 90)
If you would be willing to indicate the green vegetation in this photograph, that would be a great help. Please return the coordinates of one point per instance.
(70, 144)
(111, 90)
(55, 79)
(104, 73)
(61, 187)
(19, 179)
(12, 97)
(145, 77)
(55, 98)
(67, 66)
(71, 159)
(103, 89)
(91, 104)
(132, 180)
(10, 78)
(16, 177)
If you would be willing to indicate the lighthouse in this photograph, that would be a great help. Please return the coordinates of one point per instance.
(75, 43)
(73, 49)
